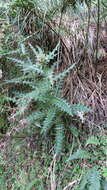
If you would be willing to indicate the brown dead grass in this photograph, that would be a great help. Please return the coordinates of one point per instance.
(84, 84)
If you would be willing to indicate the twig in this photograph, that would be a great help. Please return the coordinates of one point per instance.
(71, 184)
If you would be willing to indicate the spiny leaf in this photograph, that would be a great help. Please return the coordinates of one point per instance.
(59, 138)
(52, 54)
(28, 97)
(80, 154)
(94, 179)
(44, 86)
(35, 116)
(20, 62)
(33, 49)
(93, 141)
(80, 108)
(23, 49)
(48, 120)
(62, 105)
(64, 73)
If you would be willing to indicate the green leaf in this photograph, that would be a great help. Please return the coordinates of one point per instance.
(80, 108)
(52, 54)
(48, 120)
(59, 138)
(74, 131)
(94, 179)
(34, 116)
(64, 73)
(91, 180)
(80, 154)
(23, 48)
(83, 182)
(104, 184)
(104, 172)
(62, 105)
(93, 141)
(34, 182)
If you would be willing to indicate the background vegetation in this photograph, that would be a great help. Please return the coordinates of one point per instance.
(53, 98)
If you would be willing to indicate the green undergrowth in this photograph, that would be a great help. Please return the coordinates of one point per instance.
(26, 166)
(46, 143)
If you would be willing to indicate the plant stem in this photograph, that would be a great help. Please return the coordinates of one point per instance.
(97, 38)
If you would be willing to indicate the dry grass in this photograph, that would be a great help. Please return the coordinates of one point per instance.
(85, 84)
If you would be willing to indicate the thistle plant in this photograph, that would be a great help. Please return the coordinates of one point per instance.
(39, 103)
